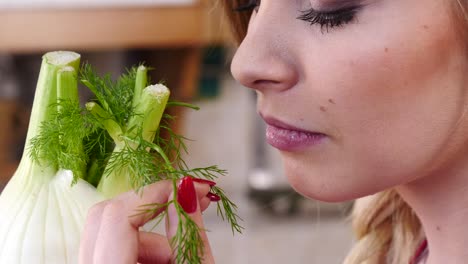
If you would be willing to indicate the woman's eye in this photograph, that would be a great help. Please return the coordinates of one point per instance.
(329, 19)
(251, 5)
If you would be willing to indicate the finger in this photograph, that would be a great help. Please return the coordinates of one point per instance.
(157, 193)
(187, 200)
(201, 189)
(117, 240)
(202, 192)
(204, 203)
(172, 225)
(89, 234)
(153, 248)
(127, 204)
(198, 219)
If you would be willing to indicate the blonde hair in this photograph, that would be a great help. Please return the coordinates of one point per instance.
(386, 228)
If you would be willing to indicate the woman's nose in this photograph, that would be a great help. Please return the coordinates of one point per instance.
(263, 61)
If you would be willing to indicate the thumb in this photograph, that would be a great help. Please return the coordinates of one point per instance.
(176, 227)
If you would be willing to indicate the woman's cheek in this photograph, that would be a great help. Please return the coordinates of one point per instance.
(395, 108)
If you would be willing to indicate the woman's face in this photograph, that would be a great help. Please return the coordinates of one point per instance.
(371, 99)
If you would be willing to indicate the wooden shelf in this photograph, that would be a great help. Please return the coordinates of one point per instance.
(34, 30)
(92, 29)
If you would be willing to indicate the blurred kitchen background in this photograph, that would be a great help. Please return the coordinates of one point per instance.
(188, 43)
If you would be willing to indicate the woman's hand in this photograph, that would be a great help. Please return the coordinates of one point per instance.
(111, 233)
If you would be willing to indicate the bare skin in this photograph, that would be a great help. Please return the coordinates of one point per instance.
(112, 232)
(389, 92)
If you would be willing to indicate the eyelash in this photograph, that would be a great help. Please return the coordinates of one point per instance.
(325, 19)
(329, 19)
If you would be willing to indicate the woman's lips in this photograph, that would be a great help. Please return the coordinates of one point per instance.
(288, 138)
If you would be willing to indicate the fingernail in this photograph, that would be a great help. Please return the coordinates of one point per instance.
(213, 197)
(210, 183)
(186, 195)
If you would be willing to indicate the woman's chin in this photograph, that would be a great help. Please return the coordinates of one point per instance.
(327, 187)
(323, 195)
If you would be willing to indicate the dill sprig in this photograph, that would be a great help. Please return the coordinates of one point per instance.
(114, 96)
(227, 210)
(60, 142)
(98, 147)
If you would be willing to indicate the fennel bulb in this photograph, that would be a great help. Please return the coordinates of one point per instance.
(41, 213)
(41, 222)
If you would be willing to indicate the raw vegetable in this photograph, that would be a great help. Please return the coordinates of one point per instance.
(77, 156)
